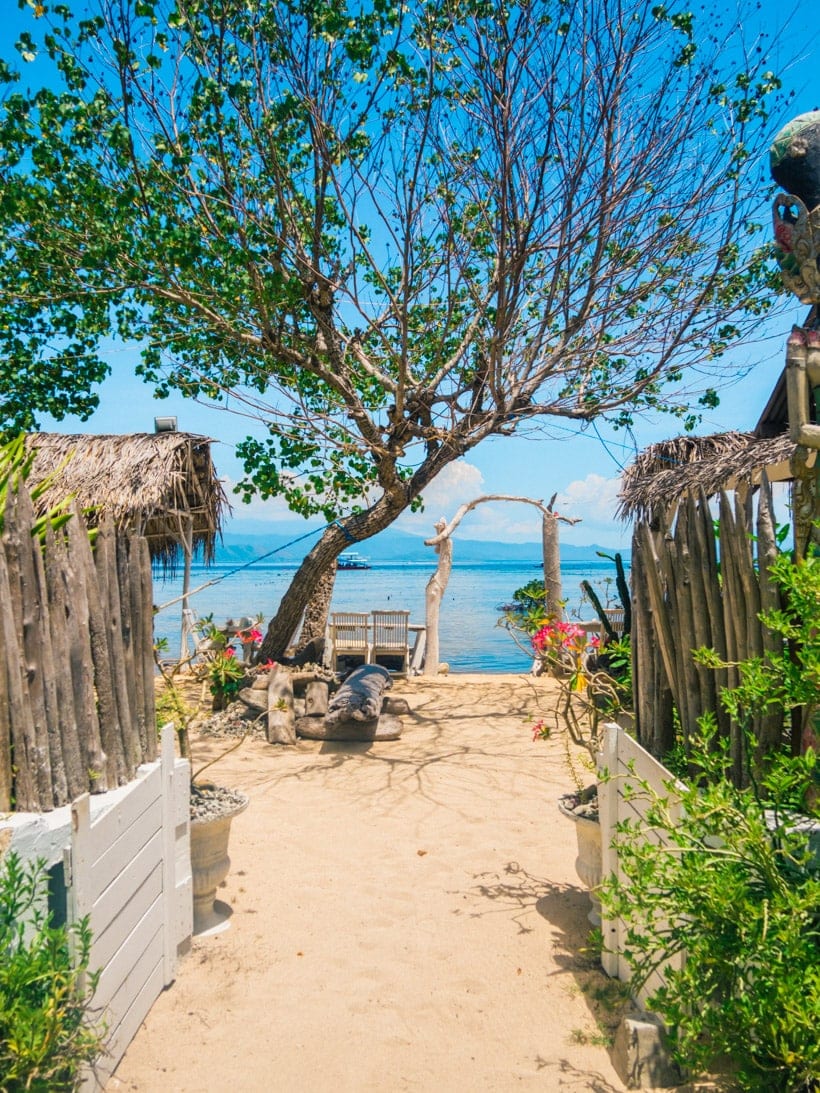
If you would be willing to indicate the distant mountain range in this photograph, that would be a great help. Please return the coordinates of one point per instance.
(390, 546)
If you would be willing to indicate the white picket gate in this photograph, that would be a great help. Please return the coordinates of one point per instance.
(627, 765)
(128, 869)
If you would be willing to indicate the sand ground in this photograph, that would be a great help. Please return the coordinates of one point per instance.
(405, 916)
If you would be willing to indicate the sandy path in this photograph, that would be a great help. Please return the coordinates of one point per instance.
(406, 916)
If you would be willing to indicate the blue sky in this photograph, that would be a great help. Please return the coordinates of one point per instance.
(582, 468)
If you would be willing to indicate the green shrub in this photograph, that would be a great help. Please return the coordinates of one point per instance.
(736, 889)
(733, 884)
(45, 1029)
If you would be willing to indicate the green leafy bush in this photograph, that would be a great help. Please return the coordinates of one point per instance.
(46, 1033)
(732, 885)
(736, 888)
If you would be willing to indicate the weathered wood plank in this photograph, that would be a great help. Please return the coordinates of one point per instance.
(25, 759)
(707, 696)
(82, 664)
(772, 723)
(316, 697)
(281, 726)
(6, 662)
(146, 649)
(50, 669)
(116, 766)
(135, 725)
(106, 566)
(681, 567)
(712, 605)
(76, 776)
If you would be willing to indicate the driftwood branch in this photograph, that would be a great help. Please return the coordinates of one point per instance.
(448, 529)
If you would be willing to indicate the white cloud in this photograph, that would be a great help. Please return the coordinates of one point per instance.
(593, 496)
(273, 509)
(593, 500)
(455, 485)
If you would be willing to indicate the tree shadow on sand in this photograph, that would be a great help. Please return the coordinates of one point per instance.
(565, 907)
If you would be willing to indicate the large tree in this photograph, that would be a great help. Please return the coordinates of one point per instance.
(388, 231)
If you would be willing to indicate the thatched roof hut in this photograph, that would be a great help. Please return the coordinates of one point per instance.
(163, 484)
(663, 472)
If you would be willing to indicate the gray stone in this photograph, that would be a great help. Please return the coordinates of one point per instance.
(386, 727)
(254, 699)
(641, 1054)
(395, 705)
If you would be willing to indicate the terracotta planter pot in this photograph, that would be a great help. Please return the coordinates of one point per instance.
(210, 865)
(588, 863)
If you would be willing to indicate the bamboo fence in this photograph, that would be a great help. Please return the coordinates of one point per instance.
(76, 659)
(697, 586)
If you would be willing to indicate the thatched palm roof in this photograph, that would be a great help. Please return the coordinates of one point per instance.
(150, 481)
(665, 471)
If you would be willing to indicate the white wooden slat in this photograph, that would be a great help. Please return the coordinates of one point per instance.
(612, 929)
(137, 1006)
(133, 874)
(168, 855)
(115, 933)
(182, 792)
(123, 968)
(630, 763)
(127, 847)
(113, 822)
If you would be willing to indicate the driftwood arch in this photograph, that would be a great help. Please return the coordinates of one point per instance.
(442, 541)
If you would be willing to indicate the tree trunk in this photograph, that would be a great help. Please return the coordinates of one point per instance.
(433, 595)
(334, 540)
(552, 565)
(314, 623)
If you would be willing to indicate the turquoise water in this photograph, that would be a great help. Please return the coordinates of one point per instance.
(469, 637)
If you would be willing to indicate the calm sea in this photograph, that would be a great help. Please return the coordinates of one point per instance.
(469, 637)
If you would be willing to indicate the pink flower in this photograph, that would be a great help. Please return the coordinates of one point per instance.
(229, 652)
(540, 731)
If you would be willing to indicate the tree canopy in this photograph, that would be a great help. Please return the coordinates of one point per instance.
(387, 231)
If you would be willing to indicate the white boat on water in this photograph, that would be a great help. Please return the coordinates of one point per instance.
(351, 560)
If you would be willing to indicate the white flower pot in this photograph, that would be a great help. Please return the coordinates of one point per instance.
(588, 863)
(210, 865)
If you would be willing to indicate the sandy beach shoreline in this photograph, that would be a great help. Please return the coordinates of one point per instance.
(406, 916)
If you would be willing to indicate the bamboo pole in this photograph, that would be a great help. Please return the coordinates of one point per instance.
(707, 695)
(772, 723)
(733, 606)
(660, 619)
(679, 576)
(712, 606)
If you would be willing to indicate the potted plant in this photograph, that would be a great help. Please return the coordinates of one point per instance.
(594, 683)
(588, 697)
(212, 807)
